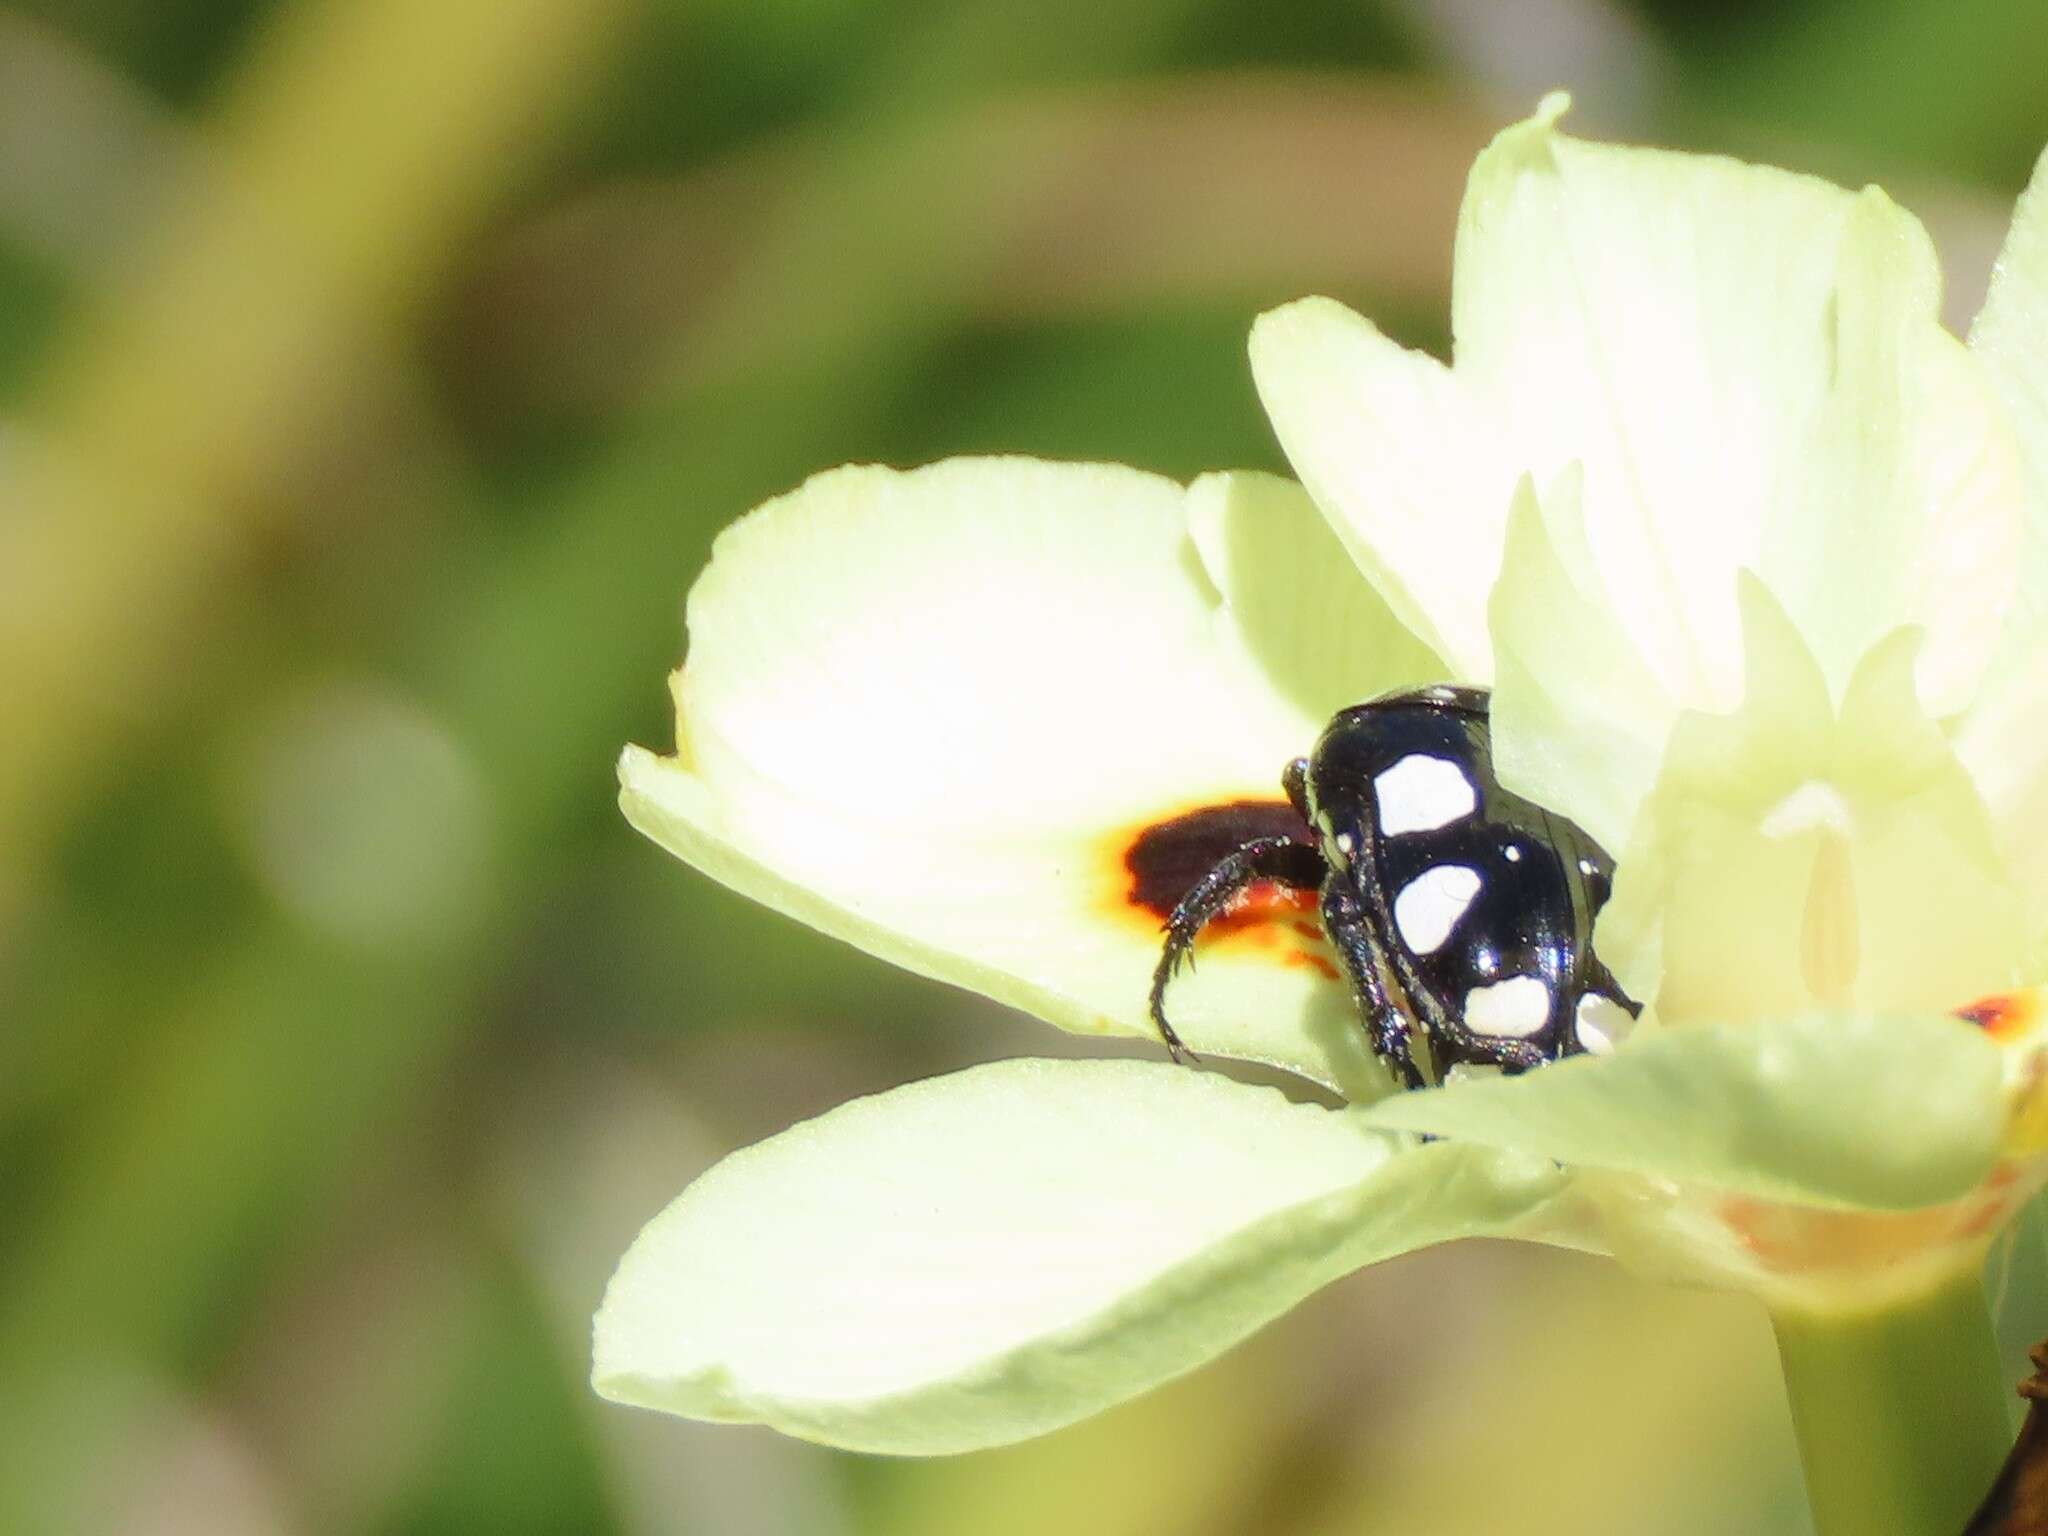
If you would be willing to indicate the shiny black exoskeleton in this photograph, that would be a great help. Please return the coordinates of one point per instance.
(1462, 913)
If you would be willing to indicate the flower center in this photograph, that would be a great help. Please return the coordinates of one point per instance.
(1816, 804)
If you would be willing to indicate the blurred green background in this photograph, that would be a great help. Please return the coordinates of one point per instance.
(373, 375)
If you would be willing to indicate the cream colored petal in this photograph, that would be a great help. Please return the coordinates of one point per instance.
(2010, 335)
(1794, 856)
(1711, 368)
(2004, 739)
(930, 713)
(1905, 502)
(1749, 368)
(1410, 474)
(987, 1256)
(1293, 603)
(1659, 319)
(1883, 1112)
(1579, 720)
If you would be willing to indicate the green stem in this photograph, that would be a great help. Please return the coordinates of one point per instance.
(1900, 1411)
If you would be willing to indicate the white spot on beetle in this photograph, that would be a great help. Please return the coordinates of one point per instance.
(1429, 906)
(1421, 793)
(1602, 1023)
(1518, 1007)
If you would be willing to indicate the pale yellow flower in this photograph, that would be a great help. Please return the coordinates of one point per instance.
(1750, 551)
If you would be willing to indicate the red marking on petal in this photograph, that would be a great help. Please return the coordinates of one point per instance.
(1815, 1243)
(2003, 1015)
(1163, 859)
(1151, 866)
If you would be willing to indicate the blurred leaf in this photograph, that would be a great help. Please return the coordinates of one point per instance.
(1955, 86)
(513, 1457)
(160, 429)
(32, 294)
(175, 48)
(1168, 392)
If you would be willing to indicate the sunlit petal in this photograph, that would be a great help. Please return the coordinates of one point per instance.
(1411, 474)
(1796, 856)
(1878, 1112)
(2004, 739)
(929, 712)
(987, 1256)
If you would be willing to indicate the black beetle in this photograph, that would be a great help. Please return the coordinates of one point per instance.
(1462, 913)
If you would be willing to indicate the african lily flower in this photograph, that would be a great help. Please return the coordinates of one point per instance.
(1749, 551)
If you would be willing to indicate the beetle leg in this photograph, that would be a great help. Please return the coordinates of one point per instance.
(1387, 1024)
(1294, 780)
(1282, 860)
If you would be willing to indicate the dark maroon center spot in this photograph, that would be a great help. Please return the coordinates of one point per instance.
(1167, 857)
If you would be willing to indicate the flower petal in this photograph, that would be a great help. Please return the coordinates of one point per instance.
(1311, 627)
(1660, 319)
(1719, 367)
(987, 1256)
(1387, 442)
(1579, 721)
(1886, 1113)
(2004, 739)
(933, 712)
(1904, 502)
(1795, 856)
(1708, 905)
(2010, 335)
